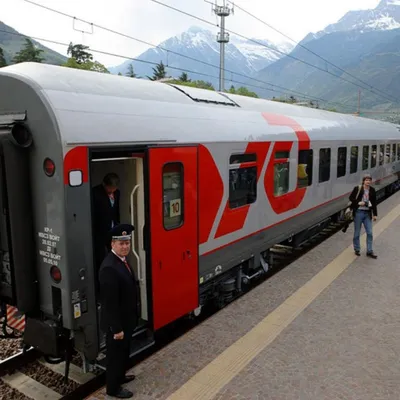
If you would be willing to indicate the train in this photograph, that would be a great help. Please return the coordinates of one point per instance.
(210, 180)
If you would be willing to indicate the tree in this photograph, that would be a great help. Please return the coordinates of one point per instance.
(196, 84)
(158, 72)
(88, 65)
(131, 72)
(2, 59)
(28, 53)
(79, 53)
(184, 77)
(242, 91)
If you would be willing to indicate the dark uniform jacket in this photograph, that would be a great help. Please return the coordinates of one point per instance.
(119, 296)
(373, 210)
(104, 213)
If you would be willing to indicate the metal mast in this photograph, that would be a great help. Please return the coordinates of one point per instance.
(222, 38)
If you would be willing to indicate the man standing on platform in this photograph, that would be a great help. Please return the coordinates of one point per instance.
(118, 292)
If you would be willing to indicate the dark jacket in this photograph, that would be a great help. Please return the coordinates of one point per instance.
(104, 213)
(373, 210)
(119, 296)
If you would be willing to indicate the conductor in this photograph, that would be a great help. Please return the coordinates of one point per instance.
(119, 314)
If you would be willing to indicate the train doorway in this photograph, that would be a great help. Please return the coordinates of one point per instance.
(130, 171)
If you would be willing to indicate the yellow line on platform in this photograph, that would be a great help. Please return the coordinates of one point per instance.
(213, 377)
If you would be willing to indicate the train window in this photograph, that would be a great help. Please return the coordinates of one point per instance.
(354, 159)
(393, 152)
(281, 172)
(324, 165)
(242, 186)
(365, 157)
(173, 195)
(282, 154)
(242, 158)
(281, 178)
(341, 161)
(305, 168)
(398, 151)
(387, 154)
(381, 153)
(242, 180)
(373, 156)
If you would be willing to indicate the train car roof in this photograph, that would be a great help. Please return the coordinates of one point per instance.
(97, 108)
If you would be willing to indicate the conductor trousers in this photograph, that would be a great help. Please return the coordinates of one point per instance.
(117, 361)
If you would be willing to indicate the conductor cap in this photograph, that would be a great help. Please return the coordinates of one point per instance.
(122, 232)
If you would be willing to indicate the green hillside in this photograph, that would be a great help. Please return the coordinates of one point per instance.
(11, 42)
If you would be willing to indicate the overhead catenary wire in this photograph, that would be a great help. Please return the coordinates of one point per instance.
(310, 51)
(288, 91)
(272, 48)
(154, 63)
(283, 89)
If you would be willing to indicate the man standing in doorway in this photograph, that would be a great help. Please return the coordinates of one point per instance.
(106, 215)
(365, 211)
(118, 292)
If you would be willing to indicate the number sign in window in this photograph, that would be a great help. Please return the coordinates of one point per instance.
(173, 195)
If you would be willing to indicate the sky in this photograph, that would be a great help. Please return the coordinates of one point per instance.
(151, 22)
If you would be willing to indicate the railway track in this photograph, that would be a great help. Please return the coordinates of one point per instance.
(27, 376)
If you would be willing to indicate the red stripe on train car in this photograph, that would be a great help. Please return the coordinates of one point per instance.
(284, 220)
(211, 191)
(291, 200)
(77, 159)
(234, 219)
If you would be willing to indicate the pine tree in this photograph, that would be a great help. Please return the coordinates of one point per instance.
(2, 59)
(28, 53)
(184, 77)
(158, 72)
(131, 72)
(79, 53)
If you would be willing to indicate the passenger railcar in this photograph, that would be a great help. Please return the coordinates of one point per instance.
(211, 181)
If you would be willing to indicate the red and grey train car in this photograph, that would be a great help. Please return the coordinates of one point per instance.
(210, 181)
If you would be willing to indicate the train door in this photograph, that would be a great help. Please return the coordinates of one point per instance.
(132, 204)
(173, 232)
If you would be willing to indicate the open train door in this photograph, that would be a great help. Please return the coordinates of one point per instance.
(173, 232)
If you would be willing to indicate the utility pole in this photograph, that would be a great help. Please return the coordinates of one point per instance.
(222, 38)
(359, 101)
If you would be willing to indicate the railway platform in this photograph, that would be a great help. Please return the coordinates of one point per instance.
(325, 327)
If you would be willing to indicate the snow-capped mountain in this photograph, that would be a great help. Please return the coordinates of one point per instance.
(364, 43)
(242, 56)
(386, 16)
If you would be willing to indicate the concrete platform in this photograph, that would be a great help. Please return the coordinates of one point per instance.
(325, 327)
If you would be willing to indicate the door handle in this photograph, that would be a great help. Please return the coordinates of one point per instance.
(189, 254)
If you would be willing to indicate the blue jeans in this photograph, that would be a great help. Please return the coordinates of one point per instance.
(362, 218)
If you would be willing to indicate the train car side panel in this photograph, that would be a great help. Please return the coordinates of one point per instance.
(173, 232)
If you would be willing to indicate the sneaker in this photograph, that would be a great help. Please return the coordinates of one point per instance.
(372, 255)
(357, 252)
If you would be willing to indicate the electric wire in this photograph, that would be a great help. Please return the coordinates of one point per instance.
(270, 47)
(285, 90)
(311, 51)
(154, 63)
